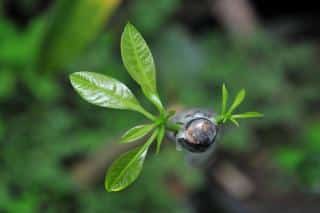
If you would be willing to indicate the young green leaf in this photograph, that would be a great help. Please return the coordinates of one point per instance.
(234, 121)
(138, 60)
(237, 101)
(126, 169)
(224, 102)
(104, 91)
(248, 115)
(136, 133)
(160, 137)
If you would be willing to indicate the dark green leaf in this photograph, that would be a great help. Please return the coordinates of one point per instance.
(136, 133)
(126, 169)
(104, 91)
(138, 60)
(160, 137)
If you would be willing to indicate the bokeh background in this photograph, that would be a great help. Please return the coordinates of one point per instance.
(55, 148)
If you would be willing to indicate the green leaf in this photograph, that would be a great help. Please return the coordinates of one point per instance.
(126, 169)
(224, 102)
(136, 133)
(248, 115)
(74, 24)
(104, 91)
(237, 101)
(234, 121)
(138, 60)
(160, 137)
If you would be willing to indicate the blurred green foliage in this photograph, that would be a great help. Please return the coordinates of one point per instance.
(155, 14)
(45, 127)
(302, 161)
(71, 29)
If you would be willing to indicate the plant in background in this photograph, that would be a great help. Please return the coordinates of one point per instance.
(68, 19)
(108, 92)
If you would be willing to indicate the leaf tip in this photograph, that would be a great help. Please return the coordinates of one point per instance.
(224, 85)
(224, 88)
(235, 122)
(129, 26)
(108, 187)
(243, 92)
(73, 77)
(260, 115)
(128, 23)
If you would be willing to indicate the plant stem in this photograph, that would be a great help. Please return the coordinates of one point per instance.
(220, 119)
(172, 126)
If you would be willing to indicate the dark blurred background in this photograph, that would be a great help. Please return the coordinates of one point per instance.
(55, 148)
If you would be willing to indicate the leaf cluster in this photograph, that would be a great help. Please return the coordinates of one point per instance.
(108, 92)
(226, 113)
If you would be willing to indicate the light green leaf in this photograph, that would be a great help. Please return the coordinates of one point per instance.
(126, 169)
(224, 102)
(237, 101)
(138, 60)
(160, 137)
(104, 91)
(136, 133)
(248, 115)
(234, 121)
